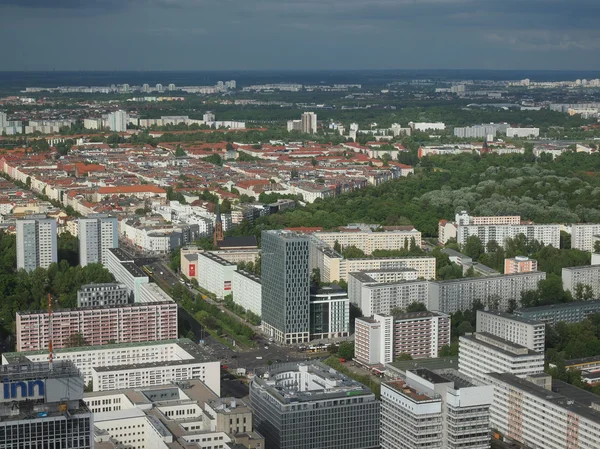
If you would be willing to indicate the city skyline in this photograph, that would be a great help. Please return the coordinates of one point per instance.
(296, 35)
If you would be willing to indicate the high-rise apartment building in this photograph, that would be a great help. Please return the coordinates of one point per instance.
(309, 122)
(419, 334)
(539, 412)
(497, 292)
(524, 332)
(435, 409)
(582, 235)
(482, 353)
(547, 234)
(285, 286)
(381, 297)
(574, 278)
(311, 406)
(98, 325)
(42, 407)
(117, 121)
(97, 234)
(36, 242)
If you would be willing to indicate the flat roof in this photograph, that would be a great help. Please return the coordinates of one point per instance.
(563, 395)
(216, 258)
(415, 315)
(582, 360)
(431, 364)
(488, 278)
(502, 343)
(118, 306)
(118, 252)
(404, 389)
(564, 305)
(510, 316)
(250, 276)
(186, 344)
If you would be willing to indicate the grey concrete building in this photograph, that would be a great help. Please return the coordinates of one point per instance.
(36, 242)
(285, 286)
(111, 294)
(97, 234)
(571, 312)
(311, 406)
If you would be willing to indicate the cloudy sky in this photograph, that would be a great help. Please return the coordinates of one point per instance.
(299, 34)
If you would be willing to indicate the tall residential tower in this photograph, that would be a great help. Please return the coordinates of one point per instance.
(36, 242)
(97, 234)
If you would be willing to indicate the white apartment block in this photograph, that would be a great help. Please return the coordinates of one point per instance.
(582, 235)
(215, 274)
(463, 218)
(524, 332)
(494, 291)
(539, 412)
(545, 234)
(247, 291)
(524, 133)
(373, 340)
(424, 265)
(585, 275)
(126, 271)
(435, 409)
(419, 334)
(36, 242)
(375, 298)
(427, 126)
(483, 353)
(164, 361)
(97, 233)
(369, 241)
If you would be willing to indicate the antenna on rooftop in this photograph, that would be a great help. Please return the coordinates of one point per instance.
(50, 333)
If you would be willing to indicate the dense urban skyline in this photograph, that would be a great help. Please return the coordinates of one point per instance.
(263, 34)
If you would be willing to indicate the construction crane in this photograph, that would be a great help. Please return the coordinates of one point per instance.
(50, 333)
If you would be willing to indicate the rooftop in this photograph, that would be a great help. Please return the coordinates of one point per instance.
(431, 364)
(566, 305)
(510, 316)
(500, 344)
(119, 254)
(184, 343)
(237, 242)
(417, 315)
(216, 258)
(402, 387)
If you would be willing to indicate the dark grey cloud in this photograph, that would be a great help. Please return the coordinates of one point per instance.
(221, 34)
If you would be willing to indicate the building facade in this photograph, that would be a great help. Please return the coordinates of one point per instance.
(418, 334)
(582, 235)
(285, 280)
(329, 312)
(574, 278)
(519, 264)
(125, 271)
(215, 274)
(98, 325)
(310, 406)
(441, 409)
(481, 353)
(368, 241)
(247, 291)
(524, 332)
(97, 233)
(36, 242)
(539, 412)
(497, 292)
(94, 295)
(547, 235)
(571, 312)
(44, 407)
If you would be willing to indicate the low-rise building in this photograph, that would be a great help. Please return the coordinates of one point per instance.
(441, 409)
(570, 312)
(540, 412)
(111, 294)
(519, 264)
(309, 405)
(528, 333)
(482, 353)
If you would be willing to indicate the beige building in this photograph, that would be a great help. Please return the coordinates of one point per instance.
(369, 241)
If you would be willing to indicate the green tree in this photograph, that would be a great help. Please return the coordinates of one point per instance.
(473, 247)
(315, 277)
(180, 152)
(416, 307)
(76, 340)
(346, 350)
(597, 246)
(403, 357)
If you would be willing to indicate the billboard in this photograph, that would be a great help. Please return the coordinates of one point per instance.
(192, 270)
